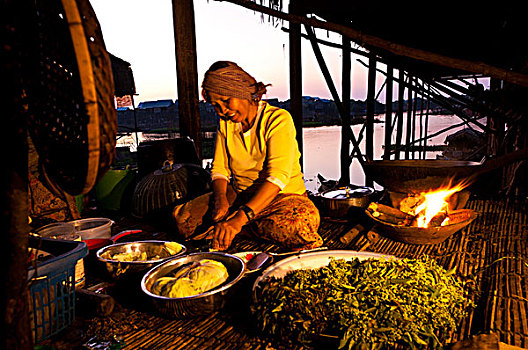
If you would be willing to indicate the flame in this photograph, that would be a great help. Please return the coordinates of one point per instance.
(430, 204)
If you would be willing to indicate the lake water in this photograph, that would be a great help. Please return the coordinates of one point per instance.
(322, 147)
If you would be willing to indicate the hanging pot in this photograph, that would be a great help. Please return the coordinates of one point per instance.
(168, 186)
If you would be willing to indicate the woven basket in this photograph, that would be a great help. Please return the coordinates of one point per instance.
(73, 121)
(167, 187)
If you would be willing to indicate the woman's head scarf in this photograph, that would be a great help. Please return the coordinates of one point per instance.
(231, 80)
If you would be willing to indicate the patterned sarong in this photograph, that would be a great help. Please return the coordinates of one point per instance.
(290, 220)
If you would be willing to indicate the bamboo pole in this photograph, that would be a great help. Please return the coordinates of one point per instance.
(388, 112)
(409, 143)
(361, 38)
(346, 161)
(420, 120)
(333, 91)
(413, 116)
(426, 126)
(442, 88)
(461, 98)
(493, 123)
(442, 101)
(371, 86)
(409, 117)
(332, 44)
(399, 124)
(187, 72)
(296, 82)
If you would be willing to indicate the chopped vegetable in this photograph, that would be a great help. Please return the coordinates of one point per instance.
(170, 249)
(381, 304)
(173, 247)
(131, 256)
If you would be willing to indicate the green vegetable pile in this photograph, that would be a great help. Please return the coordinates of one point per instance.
(369, 304)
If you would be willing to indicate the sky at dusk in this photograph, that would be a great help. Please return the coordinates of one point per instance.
(141, 32)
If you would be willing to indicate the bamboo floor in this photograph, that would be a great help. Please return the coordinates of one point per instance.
(493, 249)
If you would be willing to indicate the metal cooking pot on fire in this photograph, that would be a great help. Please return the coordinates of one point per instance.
(340, 201)
(410, 176)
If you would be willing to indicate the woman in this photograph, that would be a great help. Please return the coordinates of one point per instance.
(258, 186)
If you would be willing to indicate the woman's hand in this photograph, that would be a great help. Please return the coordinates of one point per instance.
(225, 231)
(220, 207)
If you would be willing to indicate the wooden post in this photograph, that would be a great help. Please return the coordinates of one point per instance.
(495, 137)
(399, 125)
(413, 119)
(187, 73)
(346, 160)
(296, 80)
(409, 118)
(420, 120)
(18, 70)
(426, 124)
(333, 91)
(371, 90)
(135, 120)
(388, 112)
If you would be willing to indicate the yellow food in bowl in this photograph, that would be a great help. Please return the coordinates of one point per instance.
(193, 279)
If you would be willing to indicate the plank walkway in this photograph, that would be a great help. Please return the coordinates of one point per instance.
(493, 248)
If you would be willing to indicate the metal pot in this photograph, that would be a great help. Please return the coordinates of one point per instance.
(339, 202)
(415, 176)
(130, 269)
(201, 304)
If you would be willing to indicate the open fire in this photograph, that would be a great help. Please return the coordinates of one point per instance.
(426, 209)
(431, 208)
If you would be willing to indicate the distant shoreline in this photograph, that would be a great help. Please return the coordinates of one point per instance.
(357, 120)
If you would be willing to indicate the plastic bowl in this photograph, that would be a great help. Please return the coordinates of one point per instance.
(88, 228)
(57, 229)
(94, 228)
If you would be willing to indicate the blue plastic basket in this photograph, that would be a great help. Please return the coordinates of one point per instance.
(52, 286)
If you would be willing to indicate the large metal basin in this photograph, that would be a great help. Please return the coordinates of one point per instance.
(134, 269)
(415, 176)
(196, 305)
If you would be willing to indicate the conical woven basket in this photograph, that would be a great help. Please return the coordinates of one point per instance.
(169, 186)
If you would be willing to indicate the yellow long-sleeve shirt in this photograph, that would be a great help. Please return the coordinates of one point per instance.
(266, 152)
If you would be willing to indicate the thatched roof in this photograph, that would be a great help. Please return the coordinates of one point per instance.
(464, 36)
(449, 39)
(123, 77)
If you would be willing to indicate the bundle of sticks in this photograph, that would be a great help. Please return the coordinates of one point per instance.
(395, 216)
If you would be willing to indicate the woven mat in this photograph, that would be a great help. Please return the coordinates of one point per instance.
(493, 247)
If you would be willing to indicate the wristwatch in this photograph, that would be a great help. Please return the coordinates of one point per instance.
(248, 211)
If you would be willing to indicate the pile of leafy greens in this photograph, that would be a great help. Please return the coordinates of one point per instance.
(368, 304)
